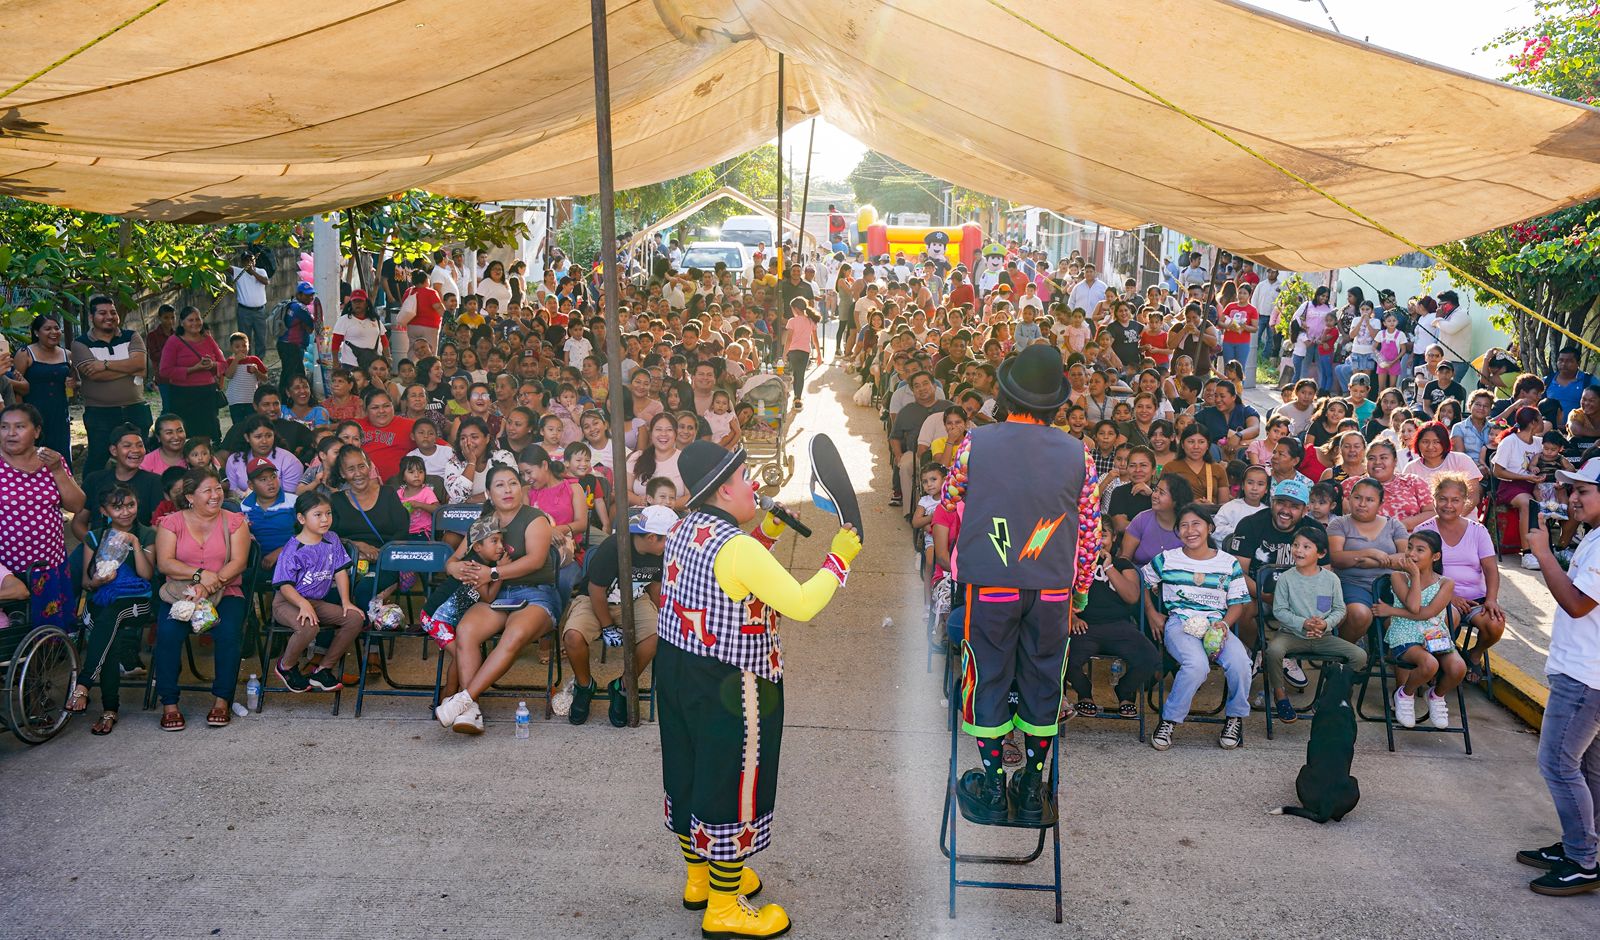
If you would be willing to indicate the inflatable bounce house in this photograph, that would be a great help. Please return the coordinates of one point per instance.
(948, 244)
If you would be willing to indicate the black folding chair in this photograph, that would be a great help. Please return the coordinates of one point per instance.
(1380, 666)
(271, 630)
(1157, 695)
(1263, 622)
(425, 560)
(251, 623)
(455, 518)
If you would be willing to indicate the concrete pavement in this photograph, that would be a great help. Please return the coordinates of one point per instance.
(295, 823)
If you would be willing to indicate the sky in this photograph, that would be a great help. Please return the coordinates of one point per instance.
(1449, 32)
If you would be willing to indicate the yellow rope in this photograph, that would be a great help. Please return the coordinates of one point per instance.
(1165, 102)
(83, 48)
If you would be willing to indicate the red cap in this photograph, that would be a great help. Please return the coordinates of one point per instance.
(358, 294)
(258, 463)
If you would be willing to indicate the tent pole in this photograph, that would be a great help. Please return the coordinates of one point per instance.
(800, 237)
(608, 254)
(777, 249)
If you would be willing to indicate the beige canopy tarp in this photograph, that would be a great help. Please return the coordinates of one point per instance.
(203, 111)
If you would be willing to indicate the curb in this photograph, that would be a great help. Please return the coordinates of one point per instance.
(1524, 695)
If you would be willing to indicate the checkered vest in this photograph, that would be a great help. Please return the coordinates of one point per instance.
(697, 616)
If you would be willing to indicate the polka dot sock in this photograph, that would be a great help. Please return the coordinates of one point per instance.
(989, 752)
(1036, 756)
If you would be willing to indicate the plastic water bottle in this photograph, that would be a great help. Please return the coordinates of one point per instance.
(522, 720)
(252, 693)
(1118, 667)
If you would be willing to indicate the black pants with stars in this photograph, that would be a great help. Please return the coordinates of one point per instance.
(721, 733)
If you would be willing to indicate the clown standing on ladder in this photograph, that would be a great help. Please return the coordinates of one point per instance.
(719, 683)
(1030, 531)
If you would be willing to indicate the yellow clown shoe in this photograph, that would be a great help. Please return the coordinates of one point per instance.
(697, 888)
(730, 917)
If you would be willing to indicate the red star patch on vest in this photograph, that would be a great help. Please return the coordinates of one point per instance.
(775, 663)
(702, 534)
(757, 616)
(673, 570)
(702, 840)
(745, 840)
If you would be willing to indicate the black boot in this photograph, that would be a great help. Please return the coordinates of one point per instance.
(982, 797)
(617, 709)
(582, 695)
(1030, 804)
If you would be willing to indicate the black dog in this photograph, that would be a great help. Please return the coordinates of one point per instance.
(1325, 787)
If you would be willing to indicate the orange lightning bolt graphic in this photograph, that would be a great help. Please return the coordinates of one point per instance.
(1040, 537)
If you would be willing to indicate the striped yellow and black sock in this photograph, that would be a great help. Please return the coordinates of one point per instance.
(726, 876)
(689, 856)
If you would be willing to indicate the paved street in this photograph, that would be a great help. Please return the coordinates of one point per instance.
(295, 823)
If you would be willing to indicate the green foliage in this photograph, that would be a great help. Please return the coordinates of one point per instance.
(891, 186)
(754, 173)
(1550, 264)
(1296, 290)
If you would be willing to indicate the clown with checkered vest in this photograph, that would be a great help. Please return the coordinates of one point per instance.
(719, 683)
(1030, 530)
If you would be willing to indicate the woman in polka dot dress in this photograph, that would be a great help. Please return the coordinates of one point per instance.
(35, 485)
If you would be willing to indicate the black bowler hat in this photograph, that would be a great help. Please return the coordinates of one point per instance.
(705, 466)
(1033, 378)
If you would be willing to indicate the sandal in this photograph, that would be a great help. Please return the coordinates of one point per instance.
(78, 701)
(172, 721)
(1475, 671)
(1086, 709)
(219, 717)
(108, 721)
(1128, 710)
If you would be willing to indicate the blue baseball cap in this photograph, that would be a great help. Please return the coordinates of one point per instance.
(1296, 489)
(304, 287)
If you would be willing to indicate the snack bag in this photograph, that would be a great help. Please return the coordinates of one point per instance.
(204, 616)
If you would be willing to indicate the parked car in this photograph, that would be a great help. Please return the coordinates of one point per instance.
(705, 255)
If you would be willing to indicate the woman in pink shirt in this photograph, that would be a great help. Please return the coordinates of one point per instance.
(168, 452)
(801, 331)
(191, 363)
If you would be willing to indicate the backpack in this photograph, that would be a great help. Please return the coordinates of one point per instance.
(279, 317)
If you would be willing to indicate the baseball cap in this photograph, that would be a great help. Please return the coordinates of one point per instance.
(258, 466)
(483, 527)
(653, 520)
(358, 294)
(1588, 473)
(1295, 489)
(304, 287)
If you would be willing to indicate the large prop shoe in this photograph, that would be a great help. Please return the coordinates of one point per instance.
(982, 797)
(1031, 805)
(697, 889)
(730, 917)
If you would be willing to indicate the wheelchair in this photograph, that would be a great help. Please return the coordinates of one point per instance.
(40, 668)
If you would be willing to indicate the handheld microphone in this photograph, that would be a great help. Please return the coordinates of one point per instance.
(783, 515)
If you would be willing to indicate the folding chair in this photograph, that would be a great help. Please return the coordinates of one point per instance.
(948, 825)
(268, 630)
(250, 578)
(1378, 665)
(1169, 667)
(558, 649)
(423, 559)
(455, 517)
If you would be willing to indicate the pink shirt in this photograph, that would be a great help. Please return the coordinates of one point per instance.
(213, 553)
(1463, 561)
(555, 501)
(156, 462)
(802, 330)
(32, 518)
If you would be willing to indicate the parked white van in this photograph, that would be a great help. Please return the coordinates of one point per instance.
(750, 230)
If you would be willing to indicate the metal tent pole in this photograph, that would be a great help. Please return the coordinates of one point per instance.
(777, 249)
(608, 255)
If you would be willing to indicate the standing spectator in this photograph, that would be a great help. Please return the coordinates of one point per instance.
(1453, 326)
(426, 315)
(35, 485)
(243, 375)
(191, 364)
(154, 342)
(1569, 741)
(206, 547)
(296, 329)
(1239, 320)
(250, 297)
(110, 362)
(47, 378)
(802, 341)
(358, 335)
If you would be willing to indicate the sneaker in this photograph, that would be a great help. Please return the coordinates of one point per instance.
(293, 679)
(1162, 739)
(1438, 711)
(561, 703)
(1294, 674)
(1547, 858)
(451, 708)
(1529, 563)
(323, 680)
(1565, 878)
(582, 696)
(1010, 752)
(470, 721)
(1405, 709)
(617, 710)
(1232, 734)
(1286, 712)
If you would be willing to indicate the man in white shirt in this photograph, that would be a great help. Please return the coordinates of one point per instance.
(442, 279)
(1087, 293)
(1454, 328)
(1569, 739)
(250, 299)
(1195, 274)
